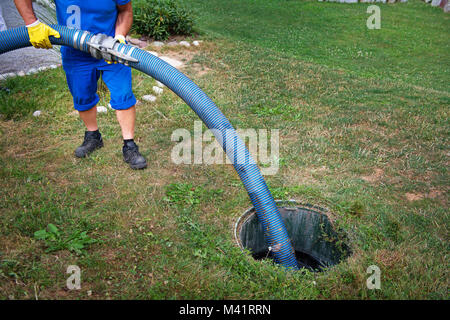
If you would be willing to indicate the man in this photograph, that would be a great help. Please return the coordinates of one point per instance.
(111, 17)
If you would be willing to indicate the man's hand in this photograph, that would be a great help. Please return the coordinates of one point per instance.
(121, 39)
(39, 33)
(123, 23)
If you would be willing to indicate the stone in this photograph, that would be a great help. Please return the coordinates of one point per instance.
(102, 109)
(196, 43)
(53, 66)
(137, 42)
(37, 113)
(21, 73)
(7, 75)
(185, 44)
(159, 84)
(173, 62)
(128, 38)
(157, 90)
(31, 71)
(172, 44)
(158, 44)
(153, 53)
(149, 98)
(435, 3)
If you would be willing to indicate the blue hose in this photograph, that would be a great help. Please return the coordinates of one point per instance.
(276, 234)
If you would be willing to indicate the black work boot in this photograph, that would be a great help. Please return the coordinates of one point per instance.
(132, 156)
(92, 141)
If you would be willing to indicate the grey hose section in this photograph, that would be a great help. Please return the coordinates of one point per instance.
(275, 231)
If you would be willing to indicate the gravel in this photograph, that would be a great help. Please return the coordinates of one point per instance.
(158, 44)
(102, 109)
(149, 98)
(185, 44)
(157, 90)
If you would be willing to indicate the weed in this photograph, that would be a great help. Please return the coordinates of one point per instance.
(76, 241)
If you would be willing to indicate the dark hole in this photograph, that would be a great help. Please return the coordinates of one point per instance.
(304, 260)
(317, 245)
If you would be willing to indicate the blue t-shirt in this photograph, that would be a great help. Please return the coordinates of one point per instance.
(96, 16)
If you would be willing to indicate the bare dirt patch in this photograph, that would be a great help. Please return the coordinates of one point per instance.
(435, 193)
(307, 176)
(432, 194)
(414, 196)
(199, 69)
(389, 258)
(184, 56)
(181, 57)
(375, 176)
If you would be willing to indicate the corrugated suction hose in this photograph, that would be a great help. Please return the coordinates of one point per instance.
(101, 46)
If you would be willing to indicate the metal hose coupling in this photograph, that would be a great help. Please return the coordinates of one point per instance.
(105, 47)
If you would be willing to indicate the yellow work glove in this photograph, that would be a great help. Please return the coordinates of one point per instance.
(39, 33)
(121, 39)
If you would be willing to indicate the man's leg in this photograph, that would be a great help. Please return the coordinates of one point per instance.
(89, 118)
(82, 81)
(117, 78)
(127, 121)
(130, 150)
(92, 137)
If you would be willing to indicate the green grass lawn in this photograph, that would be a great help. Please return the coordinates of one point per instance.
(363, 118)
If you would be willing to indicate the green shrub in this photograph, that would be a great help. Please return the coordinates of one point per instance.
(161, 18)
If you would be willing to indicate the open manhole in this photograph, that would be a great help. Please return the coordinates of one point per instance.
(317, 245)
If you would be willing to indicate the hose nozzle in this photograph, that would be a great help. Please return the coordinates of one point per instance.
(104, 47)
